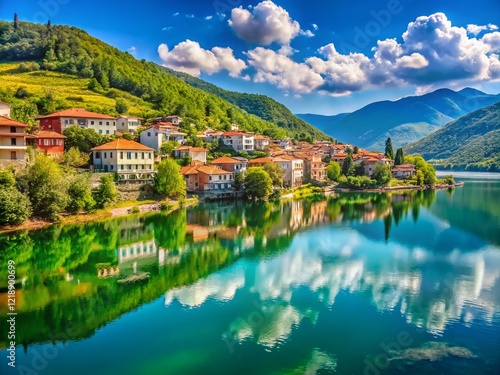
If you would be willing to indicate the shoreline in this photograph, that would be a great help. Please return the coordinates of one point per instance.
(396, 188)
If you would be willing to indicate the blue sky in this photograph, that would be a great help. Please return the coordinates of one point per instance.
(314, 56)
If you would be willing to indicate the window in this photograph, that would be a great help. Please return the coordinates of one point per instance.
(13, 155)
(46, 142)
(110, 155)
(107, 131)
(121, 167)
(100, 131)
(71, 121)
(105, 155)
(66, 122)
(98, 155)
(149, 155)
(12, 129)
(111, 167)
(13, 141)
(143, 155)
(129, 155)
(209, 178)
(130, 166)
(107, 123)
(100, 122)
(137, 157)
(91, 122)
(121, 155)
(149, 134)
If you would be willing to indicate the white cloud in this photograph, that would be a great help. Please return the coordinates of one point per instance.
(132, 50)
(267, 23)
(166, 28)
(315, 27)
(175, 14)
(492, 40)
(221, 15)
(208, 18)
(190, 57)
(475, 29)
(189, 15)
(307, 33)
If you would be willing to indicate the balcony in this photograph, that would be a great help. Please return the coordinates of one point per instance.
(12, 148)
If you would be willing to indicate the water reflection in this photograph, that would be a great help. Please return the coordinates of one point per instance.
(392, 248)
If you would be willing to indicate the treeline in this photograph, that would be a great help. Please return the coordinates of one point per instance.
(72, 51)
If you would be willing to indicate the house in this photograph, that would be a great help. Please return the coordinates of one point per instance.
(238, 141)
(207, 177)
(284, 144)
(128, 124)
(174, 120)
(293, 168)
(403, 171)
(129, 159)
(261, 142)
(259, 162)
(231, 164)
(12, 140)
(339, 157)
(4, 109)
(102, 124)
(155, 135)
(315, 168)
(196, 153)
(370, 160)
(50, 142)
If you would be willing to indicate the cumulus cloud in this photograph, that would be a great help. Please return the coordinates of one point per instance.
(190, 57)
(307, 33)
(265, 24)
(475, 29)
(315, 27)
(432, 51)
(208, 18)
(132, 50)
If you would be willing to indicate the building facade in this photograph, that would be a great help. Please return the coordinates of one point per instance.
(59, 121)
(238, 141)
(4, 109)
(231, 164)
(128, 124)
(157, 134)
(12, 140)
(51, 143)
(195, 153)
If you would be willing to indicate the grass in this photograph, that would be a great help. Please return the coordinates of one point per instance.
(67, 89)
(308, 191)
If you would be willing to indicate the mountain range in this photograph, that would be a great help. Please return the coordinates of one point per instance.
(406, 120)
(472, 142)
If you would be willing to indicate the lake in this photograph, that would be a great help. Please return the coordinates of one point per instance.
(406, 283)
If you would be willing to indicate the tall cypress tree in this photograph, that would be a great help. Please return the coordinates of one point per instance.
(348, 166)
(389, 151)
(16, 22)
(400, 157)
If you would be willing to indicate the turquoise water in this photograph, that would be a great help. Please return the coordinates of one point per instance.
(356, 284)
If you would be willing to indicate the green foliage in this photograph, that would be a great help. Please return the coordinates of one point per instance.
(382, 174)
(389, 151)
(168, 147)
(359, 169)
(80, 194)
(121, 106)
(239, 180)
(428, 170)
(333, 171)
(106, 193)
(308, 191)
(25, 113)
(15, 207)
(400, 157)
(168, 179)
(21, 93)
(348, 168)
(135, 210)
(420, 178)
(83, 139)
(47, 187)
(74, 158)
(360, 182)
(276, 173)
(449, 180)
(258, 184)
(7, 178)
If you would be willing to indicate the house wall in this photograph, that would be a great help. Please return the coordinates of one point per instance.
(152, 138)
(125, 162)
(4, 110)
(50, 146)
(128, 125)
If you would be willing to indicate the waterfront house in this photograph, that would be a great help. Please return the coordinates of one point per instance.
(293, 170)
(207, 177)
(12, 140)
(155, 135)
(231, 164)
(129, 159)
(315, 168)
(403, 171)
(58, 121)
(50, 142)
(196, 153)
(238, 141)
(4, 109)
(128, 124)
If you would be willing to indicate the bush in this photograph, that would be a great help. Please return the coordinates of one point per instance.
(15, 207)
(21, 93)
(360, 182)
(165, 206)
(449, 180)
(135, 210)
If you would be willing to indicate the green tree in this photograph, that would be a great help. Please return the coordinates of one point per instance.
(333, 171)
(359, 169)
(94, 85)
(25, 113)
(382, 174)
(74, 158)
(355, 150)
(15, 207)
(21, 93)
(7, 178)
(258, 184)
(83, 139)
(169, 146)
(121, 106)
(80, 194)
(428, 170)
(400, 157)
(348, 168)
(239, 180)
(106, 193)
(389, 151)
(275, 172)
(419, 176)
(168, 179)
(47, 188)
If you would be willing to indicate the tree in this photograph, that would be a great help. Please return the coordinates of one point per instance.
(258, 184)
(389, 151)
(46, 187)
(7, 178)
(25, 113)
(428, 170)
(94, 85)
(16, 22)
(419, 175)
(348, 166)
(333, 171)
(382, 174)
(74, 158)
(21, 92)
(239, 180)
(106, 193)
(15, 207)
(169, 146)
(276, 173)
(359, 169)
(121, 106)
(83, 139)
(400, 157)
(356, 150)
(169, 180)
(80, 194)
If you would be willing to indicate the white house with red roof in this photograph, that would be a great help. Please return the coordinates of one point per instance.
(155, 135)
(12, 140)
(4, 109)
(196, 153)
(128, 124)
(59, 121)
(231, 164)
(129, 159)
(239, 141)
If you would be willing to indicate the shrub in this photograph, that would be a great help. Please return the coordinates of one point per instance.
(135, 210)
(449, 180)
(15, 207)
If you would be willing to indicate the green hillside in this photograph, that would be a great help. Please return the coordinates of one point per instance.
(472, 142)
(259, 105)
(61, 66)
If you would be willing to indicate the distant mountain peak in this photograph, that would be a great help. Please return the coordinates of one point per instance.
(469, 91)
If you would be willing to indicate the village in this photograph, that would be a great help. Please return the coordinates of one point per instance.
(138, 146)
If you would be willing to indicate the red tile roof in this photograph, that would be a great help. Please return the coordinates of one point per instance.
(78, 113)
(49, 134)
(229, 134)
(226, 160)
(212, 169)
(260, 161)
(5, 121)
(122, 144)
(190, 169)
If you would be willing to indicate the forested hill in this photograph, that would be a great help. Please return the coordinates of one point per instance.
(472, 142)
(110, 72)
(259, 105)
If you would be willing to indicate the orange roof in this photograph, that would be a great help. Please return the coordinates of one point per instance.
(371, 160)
(404, 166)
(5, 121)
(226, 160)
(5, 104)
(191, 148)
(49, 134)
(190, 169)
(236, 133)
(260, 160)
(122, 144)
(199, 149)
(79, 113)
(212, 169)
(340, 155)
